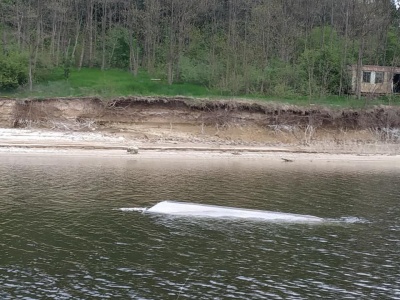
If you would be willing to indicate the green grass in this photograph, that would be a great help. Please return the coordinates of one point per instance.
(107, 84)
(113, 83)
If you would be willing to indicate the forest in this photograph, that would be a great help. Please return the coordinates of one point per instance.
(238, 47)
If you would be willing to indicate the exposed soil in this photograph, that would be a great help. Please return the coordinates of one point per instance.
(180, 120)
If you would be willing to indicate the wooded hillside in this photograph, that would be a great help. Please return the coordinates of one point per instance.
(274, 47)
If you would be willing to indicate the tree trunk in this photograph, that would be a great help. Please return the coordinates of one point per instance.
(103, 35)
(344, 56)
(359, 68)
(82, 54)
(30, 75)
(77, 33)
(171, 54)
(90, 31)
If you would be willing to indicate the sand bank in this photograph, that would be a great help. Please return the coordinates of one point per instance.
(40, 142)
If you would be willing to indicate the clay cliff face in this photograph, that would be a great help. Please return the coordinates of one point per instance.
(180, 110)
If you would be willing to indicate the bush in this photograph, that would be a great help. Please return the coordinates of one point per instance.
(282, 79)
(13, 71)
(194, 71)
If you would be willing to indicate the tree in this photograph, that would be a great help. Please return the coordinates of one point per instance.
(232, 45)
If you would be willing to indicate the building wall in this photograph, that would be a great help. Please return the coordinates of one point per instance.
(386, 87)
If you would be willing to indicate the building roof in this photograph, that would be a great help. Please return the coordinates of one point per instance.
(376, 68)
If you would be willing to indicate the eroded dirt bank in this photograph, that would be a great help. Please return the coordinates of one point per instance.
(182, 120)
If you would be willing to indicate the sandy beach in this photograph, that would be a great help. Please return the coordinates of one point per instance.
(94, 144)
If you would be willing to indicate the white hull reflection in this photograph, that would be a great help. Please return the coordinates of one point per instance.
(213, 211)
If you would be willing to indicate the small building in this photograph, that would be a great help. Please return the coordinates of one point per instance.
(376, 79)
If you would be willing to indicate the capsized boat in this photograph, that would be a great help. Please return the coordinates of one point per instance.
(213, 211)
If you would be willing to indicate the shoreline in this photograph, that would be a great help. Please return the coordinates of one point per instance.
(204, 160)
(272, 156)
(95, 144)
(188, 125)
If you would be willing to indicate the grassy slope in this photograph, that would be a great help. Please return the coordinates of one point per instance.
(113, 83)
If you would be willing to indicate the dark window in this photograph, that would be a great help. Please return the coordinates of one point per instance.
(379, 77)
(367, 77)
(396, 83)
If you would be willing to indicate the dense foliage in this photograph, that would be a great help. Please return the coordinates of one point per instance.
(274, 47)
(13, 71)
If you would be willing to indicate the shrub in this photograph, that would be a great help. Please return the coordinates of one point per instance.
(13, 71)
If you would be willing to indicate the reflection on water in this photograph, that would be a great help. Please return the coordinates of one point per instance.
(62, 237)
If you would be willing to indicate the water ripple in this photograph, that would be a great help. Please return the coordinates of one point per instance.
(62, 238)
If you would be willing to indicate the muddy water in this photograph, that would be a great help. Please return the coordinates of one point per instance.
(63, 237)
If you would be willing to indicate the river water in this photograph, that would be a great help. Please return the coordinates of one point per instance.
(62, 235)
